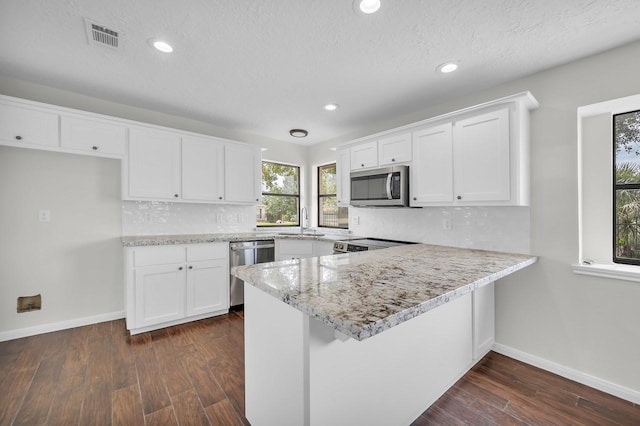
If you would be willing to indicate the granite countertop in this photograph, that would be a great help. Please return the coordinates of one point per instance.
(162, 240)
(363, 294)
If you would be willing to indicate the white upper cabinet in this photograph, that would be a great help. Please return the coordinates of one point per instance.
(153, 165)
(202, 169)
(343, 177)
(481, 158)
(242, 177)
(432, 170)
(364, 155)
(27, 126)
(394, 149)
(94, 136)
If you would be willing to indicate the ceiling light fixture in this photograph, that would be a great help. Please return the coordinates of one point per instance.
(368, 6)
(447, 67)
(331, 107)
(161, 45)
(298, 133)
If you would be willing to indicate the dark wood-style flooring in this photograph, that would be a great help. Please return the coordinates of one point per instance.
(193, 374)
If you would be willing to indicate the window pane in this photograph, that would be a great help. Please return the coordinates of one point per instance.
(278, 211)
(627, 227)
(330, 215)
(327, 179)
(627, 146)
(280, 178)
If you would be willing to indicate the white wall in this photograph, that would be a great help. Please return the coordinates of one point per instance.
(74, 261)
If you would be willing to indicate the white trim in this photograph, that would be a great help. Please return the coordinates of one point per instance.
(616, 272)
(614, 389)
(56, 326)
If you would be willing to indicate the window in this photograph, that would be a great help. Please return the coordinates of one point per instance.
(280, 195)
(329, 214)
(626, 188)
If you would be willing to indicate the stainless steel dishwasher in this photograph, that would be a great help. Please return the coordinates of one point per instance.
(247, 253)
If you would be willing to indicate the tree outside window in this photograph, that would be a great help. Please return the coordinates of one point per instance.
(626, 191)
(280, 195)
(329, 214)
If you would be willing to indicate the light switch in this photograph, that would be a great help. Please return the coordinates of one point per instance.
(44, 215)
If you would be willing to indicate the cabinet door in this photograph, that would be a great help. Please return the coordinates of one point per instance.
(364, 155)
(343, 177)
(394, 149)
(154, 165)
(242, 173)
(207, 286)
(27, 126)
(95, 136)
(159, 294)
(322, 248)
(432, 169)
(481, 157)
(293, 249)
(202, 169)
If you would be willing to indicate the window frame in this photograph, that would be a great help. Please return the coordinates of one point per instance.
(271, 194)
(616, 187)
(320, 196)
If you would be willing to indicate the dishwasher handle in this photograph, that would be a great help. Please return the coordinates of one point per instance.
(242, 247)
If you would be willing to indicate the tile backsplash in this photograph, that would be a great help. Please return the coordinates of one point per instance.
(490, 228)
(165, 218)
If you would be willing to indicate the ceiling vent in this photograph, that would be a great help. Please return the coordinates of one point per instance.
(99, 35)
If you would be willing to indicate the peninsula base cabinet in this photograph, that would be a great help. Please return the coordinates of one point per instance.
(387, 379)
(169, 285)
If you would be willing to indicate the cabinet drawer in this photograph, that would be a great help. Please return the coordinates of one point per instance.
(99, 137)
(28, 126)
(146, 256)
(207, 251)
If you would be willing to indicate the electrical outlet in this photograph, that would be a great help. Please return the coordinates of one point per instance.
(446, 223)
(218, 217)
(355, 220)
(44, 215)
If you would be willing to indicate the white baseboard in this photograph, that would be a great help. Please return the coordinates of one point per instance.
(56, 326)
(569, 373)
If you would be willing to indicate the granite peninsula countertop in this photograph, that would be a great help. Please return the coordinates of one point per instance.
(163, 240)
(363, 294)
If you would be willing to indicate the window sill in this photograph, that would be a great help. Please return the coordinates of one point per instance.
(616, 272)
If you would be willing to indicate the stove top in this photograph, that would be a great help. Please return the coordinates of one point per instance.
(365, 244)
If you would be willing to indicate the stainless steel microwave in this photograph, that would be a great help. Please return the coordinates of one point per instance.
(384, 187)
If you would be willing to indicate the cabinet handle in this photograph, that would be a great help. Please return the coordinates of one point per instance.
(415, 198)
(393, 159)
(180, 268)
(190, 267)
(18, 138)
(362, 165)
(176, 195)
(459, 197)
(257, 199)
(219, 198)
(95, 148)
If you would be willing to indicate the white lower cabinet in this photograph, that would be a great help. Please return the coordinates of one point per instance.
(300, 249)
(169, 285)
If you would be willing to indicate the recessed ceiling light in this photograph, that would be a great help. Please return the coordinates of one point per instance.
(161, 45)
(447, 67)
(331, 107)
(368, 6)
(298, 133)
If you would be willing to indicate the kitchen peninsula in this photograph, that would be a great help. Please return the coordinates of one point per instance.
(366, 338)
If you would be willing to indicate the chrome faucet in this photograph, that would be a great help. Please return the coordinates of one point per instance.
(303, 216)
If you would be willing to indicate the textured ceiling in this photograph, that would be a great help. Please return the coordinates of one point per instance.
(264, 67)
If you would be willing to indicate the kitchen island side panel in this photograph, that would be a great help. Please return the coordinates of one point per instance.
(390, 378)
(276, 361)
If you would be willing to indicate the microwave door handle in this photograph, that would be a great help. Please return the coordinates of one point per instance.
(389, 177)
